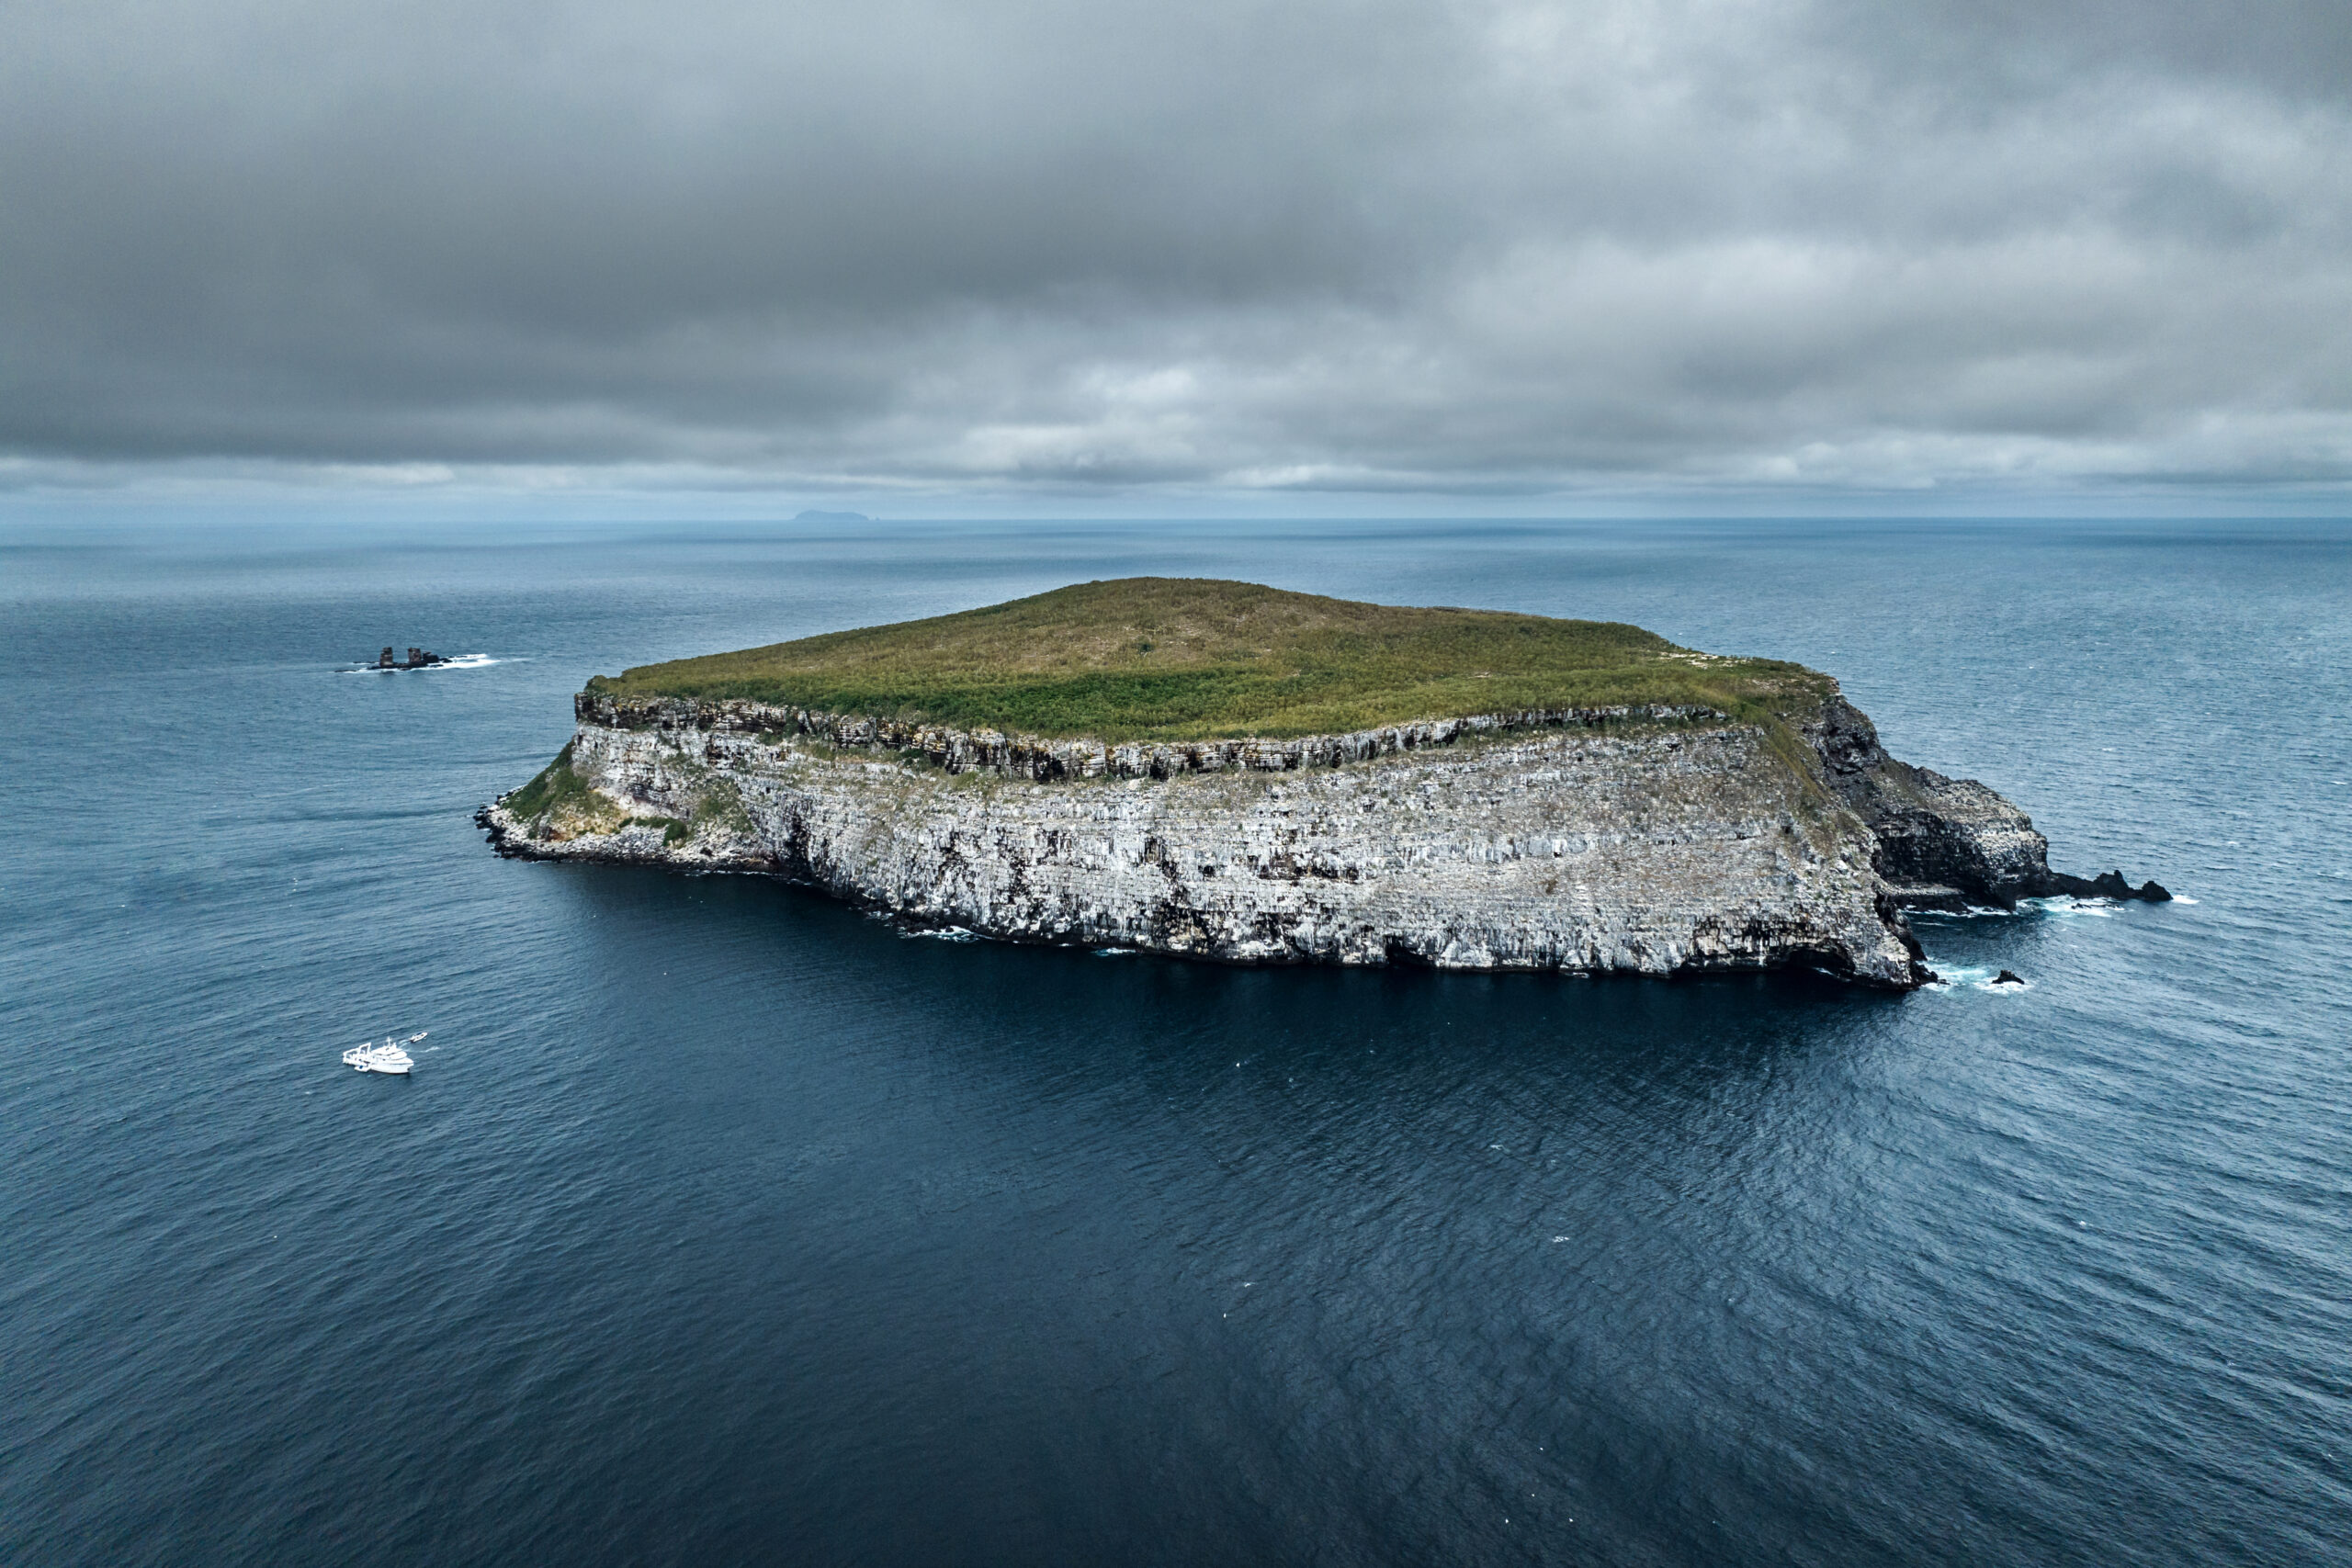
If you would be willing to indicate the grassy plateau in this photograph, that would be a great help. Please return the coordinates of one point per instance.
(1183, 659)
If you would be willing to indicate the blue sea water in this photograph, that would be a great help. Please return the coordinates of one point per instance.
(721, 1223)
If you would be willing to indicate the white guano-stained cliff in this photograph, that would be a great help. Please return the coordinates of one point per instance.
(1646, 844)
(1229, 771)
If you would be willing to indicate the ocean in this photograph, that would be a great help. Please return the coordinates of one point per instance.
(721, 1223)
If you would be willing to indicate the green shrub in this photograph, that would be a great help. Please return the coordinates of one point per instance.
(556, 786)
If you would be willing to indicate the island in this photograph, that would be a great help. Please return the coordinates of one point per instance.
(1231, 771)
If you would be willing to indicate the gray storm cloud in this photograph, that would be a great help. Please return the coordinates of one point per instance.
(1321, 244)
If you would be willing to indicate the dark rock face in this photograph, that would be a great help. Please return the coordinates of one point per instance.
(2109, 885)
(1944, 844)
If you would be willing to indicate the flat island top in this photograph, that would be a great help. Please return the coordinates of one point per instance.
(1188, 658)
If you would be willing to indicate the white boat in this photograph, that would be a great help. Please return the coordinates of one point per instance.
(391, 1057)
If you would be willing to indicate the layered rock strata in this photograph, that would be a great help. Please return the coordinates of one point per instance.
(1649, 841)
(1046, 760)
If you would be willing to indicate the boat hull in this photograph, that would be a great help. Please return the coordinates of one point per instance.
(389, 1058)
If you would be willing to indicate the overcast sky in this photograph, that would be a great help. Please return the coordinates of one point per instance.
(1110, 253)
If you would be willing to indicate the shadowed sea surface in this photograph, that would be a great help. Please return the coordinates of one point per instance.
(721, 1223)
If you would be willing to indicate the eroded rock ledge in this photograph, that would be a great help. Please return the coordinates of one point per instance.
(1044, 761)
(1943, 842)
(1654, 841)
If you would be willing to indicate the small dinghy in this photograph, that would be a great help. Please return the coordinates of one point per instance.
(391, 1057)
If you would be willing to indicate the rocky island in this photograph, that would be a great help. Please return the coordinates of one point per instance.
(1231, 771)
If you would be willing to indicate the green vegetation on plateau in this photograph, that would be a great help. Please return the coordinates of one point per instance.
(1176, 659)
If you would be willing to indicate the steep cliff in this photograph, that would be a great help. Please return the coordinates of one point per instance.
(1942, 842)
(1744, 817)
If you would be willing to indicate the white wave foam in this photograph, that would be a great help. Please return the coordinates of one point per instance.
(1972, 977)
(462, 662)
(2065, 903)
(946, 933)
(2059, 904)
(1951, 976)
(2182, 898)
(1115, 952)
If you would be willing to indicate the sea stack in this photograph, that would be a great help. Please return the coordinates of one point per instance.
(1231, 771)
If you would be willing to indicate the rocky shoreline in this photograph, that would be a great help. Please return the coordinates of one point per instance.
(1651, 841)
